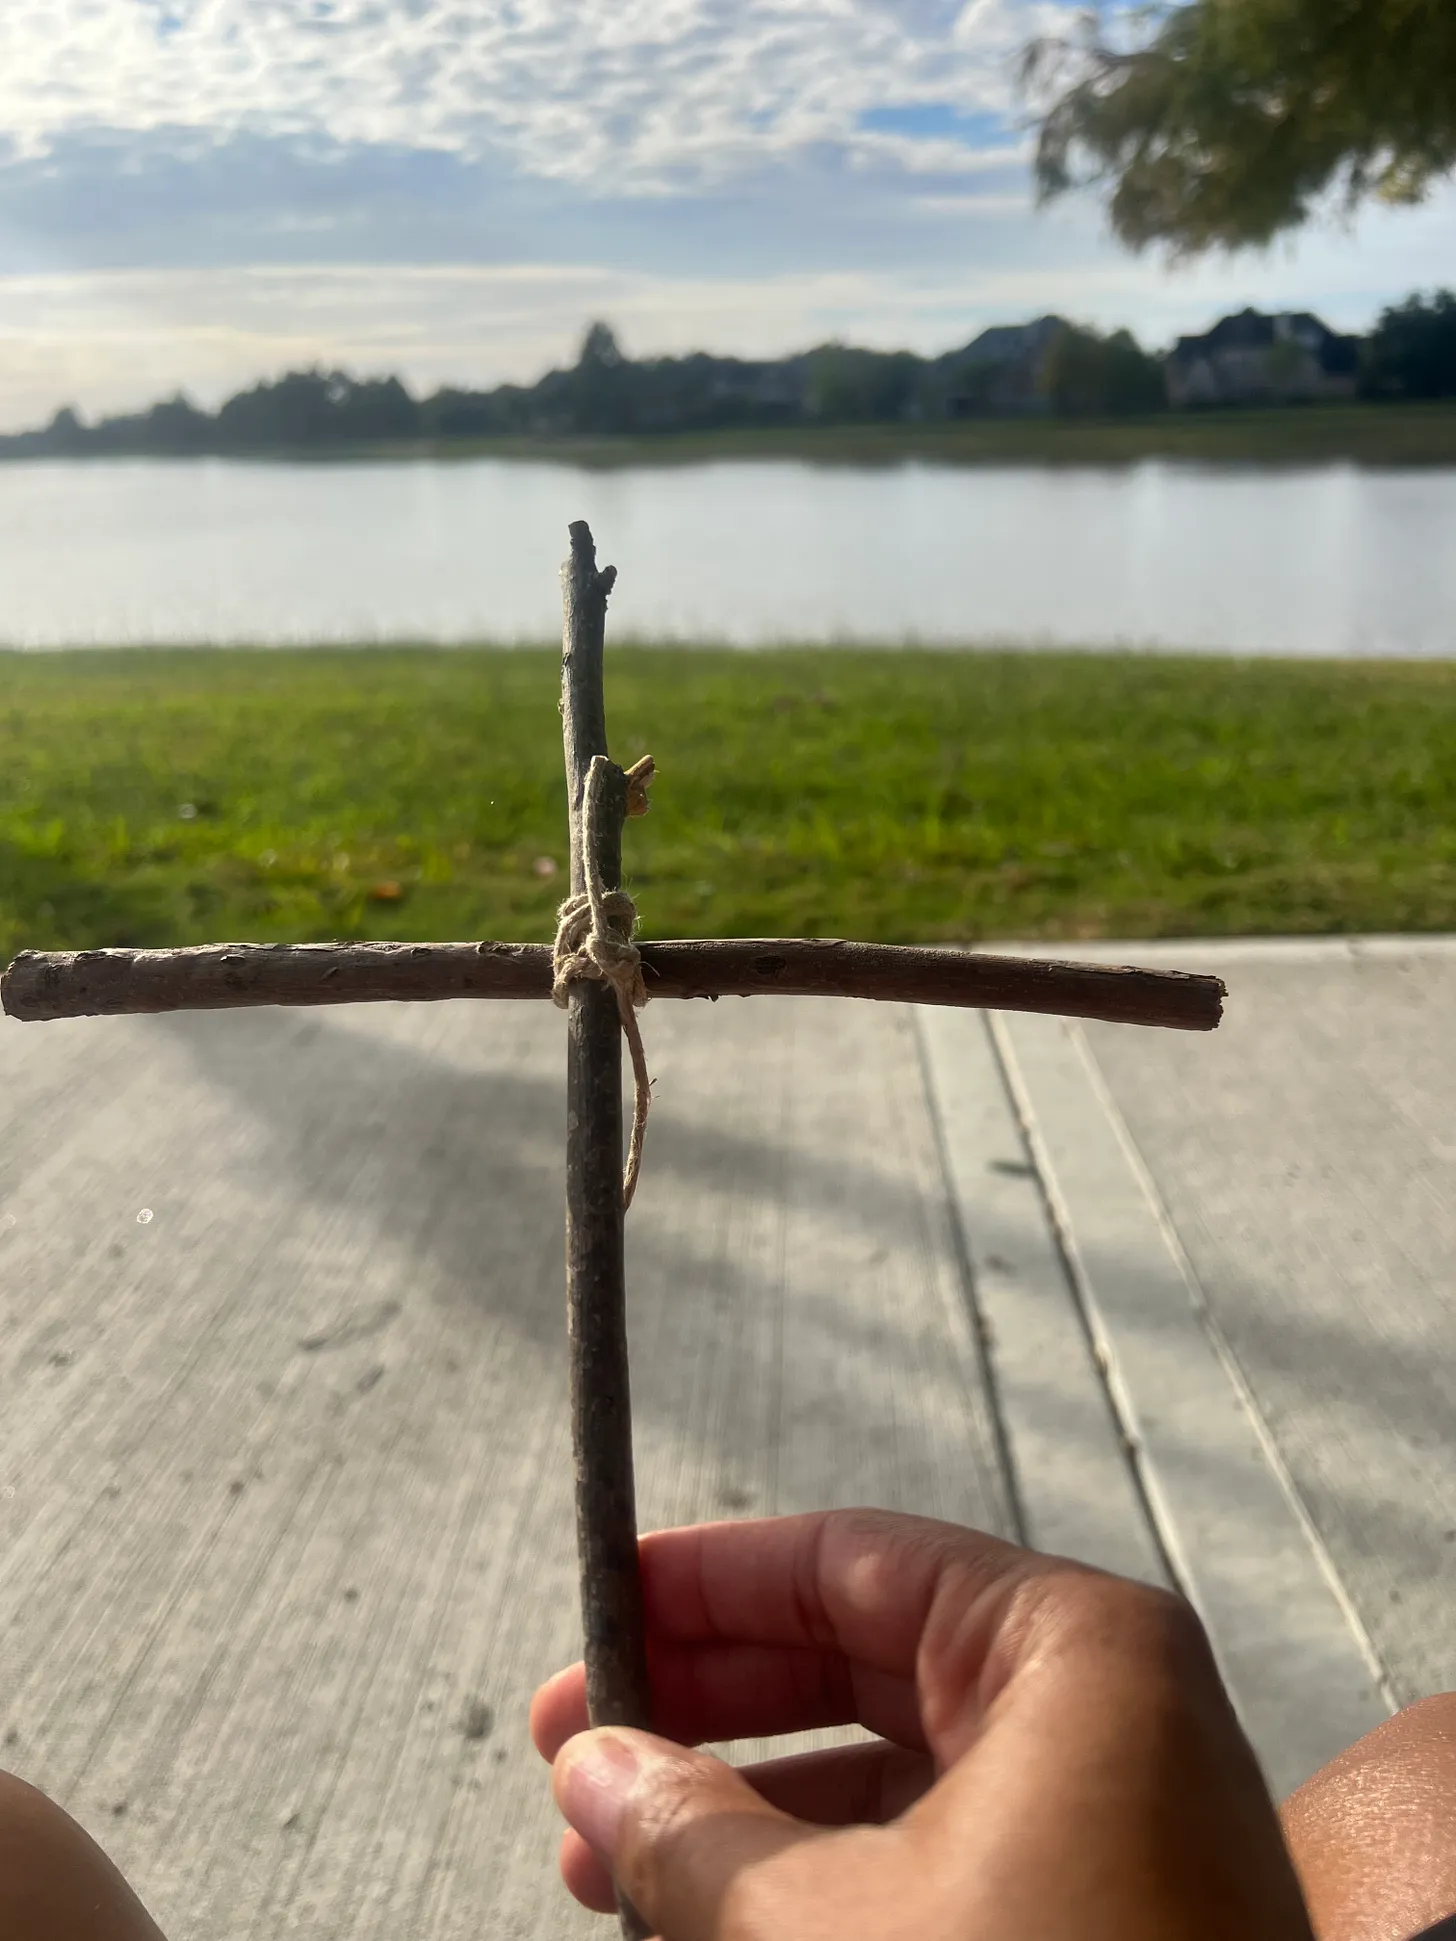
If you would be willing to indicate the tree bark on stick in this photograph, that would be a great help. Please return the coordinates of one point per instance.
(596, 1282)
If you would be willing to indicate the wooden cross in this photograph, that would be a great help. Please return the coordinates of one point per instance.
(47, 984)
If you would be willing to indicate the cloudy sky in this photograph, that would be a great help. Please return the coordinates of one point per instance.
(196, 193)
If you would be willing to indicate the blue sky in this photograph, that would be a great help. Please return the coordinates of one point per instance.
(200, 192)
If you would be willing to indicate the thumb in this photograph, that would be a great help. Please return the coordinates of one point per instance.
(677, 1829)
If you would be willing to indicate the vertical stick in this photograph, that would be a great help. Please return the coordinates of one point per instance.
(596, 1287)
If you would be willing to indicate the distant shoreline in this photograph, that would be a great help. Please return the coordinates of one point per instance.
(1367, 434)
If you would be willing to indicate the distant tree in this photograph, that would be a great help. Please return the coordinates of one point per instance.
(1087, 375)
(308, 408)
(1412, 351)
(680, 393)
(600, 394)
(453, 413)
(379, 411)
(65, 432)
(176, 426)
(297, 410)
(1223, 122)
(848, 386)
(600, 349)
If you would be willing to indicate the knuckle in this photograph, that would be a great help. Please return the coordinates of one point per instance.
(661, 1818)
(1149, 1616)
(1156, 1626)
(668, 1835)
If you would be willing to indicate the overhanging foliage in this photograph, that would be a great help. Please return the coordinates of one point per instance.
(1220, 123)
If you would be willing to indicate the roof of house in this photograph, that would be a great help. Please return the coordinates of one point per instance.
(1003, 342)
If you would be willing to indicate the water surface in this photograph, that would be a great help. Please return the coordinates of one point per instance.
(1334, 560)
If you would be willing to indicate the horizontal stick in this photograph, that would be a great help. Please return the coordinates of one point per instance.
(216, 977)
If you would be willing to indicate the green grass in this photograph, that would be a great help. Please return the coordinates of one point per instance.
(1364, 434)
(173, 797)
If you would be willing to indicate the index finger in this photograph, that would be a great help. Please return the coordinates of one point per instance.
(756, 1629)
(860, 1583)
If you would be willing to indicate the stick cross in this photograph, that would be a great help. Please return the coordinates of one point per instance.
(47, 984)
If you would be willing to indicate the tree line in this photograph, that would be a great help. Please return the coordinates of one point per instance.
(1050, 366)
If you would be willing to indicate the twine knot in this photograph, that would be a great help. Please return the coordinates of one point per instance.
(594, 941)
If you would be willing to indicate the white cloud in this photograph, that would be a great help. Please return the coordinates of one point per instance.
(646, 95)
(698, 171)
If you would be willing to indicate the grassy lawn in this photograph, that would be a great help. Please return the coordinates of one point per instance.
(173, 797)
(1363, 434)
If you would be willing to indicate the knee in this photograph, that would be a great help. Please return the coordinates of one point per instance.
(1409, 1758)
(1429, 1722)
(54, 1879)
(1373, 1834)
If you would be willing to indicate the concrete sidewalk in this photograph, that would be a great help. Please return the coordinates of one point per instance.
(1258, 1233)
(286, 1480)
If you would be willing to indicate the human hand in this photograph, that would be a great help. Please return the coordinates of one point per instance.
(1056, 1761)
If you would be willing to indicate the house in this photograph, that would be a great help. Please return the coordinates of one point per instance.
(1004, 370)
(1251, 358)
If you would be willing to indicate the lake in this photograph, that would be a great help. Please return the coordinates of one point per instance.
(1334, 560)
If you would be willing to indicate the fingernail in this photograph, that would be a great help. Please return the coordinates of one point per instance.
(595, 1774)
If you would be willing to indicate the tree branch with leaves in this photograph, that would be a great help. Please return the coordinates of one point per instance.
(1218, 124)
